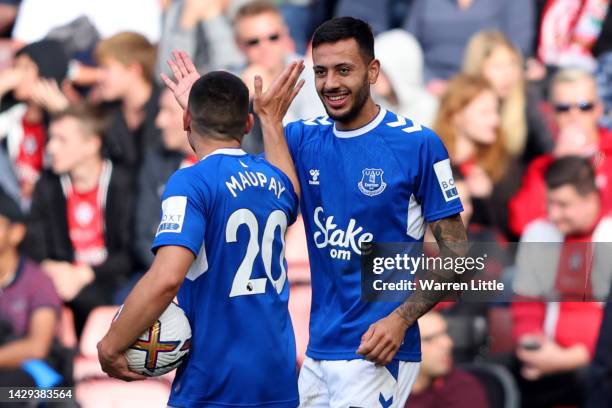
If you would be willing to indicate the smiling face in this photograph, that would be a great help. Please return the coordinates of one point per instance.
(343, 78)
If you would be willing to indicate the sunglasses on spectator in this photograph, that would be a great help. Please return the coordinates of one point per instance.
(256, 41)
(582, 106)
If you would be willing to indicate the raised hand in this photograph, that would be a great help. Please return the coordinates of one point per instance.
(272, 105)
(185, 74)
(47, 94)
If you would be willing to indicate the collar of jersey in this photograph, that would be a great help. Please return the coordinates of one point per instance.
(364, 129)
(230, 151)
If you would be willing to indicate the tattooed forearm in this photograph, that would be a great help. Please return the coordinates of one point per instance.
(452, 240)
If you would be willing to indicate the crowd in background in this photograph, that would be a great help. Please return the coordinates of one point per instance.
(520, 92)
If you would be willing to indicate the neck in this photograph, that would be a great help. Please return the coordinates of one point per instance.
(138, 96)
(9, 260)
(593, 136)
(421, 383)
(366, 115)
(464, 149)
(34, 114)
(204, 146)
(86, 176)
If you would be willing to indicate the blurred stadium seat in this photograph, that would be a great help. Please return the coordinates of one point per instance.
(299, 309)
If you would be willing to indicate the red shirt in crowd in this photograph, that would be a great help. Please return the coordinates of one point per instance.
(29, 160)
(568, 323)
(86, 227)
(529, 203)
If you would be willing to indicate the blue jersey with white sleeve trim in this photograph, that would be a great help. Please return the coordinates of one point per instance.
(231, 210)
(380, 183)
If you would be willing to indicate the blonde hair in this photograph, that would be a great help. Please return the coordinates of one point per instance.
(129, 48)
(513, 107)
(461, 91)
(570, 76)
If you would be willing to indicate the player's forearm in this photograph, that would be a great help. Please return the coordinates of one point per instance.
(452, 240)
(277, 151)
(147, 301)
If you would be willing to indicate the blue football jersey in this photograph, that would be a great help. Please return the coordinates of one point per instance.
(380, 183)
(231, 210)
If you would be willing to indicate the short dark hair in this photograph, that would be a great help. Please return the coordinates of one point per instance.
(345, 28)
(219, 106)
(574, 171)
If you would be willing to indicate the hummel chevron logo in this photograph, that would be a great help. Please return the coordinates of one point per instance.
(384, 403)
(317, 121)
(401, 121)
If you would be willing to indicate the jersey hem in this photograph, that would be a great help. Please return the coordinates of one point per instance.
(351, 355)
(173, 242)
(438, 215)
(182, 403)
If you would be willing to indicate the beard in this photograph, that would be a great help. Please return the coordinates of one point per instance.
(360, 98)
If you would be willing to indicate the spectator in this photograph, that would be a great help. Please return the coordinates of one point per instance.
(602, 50)
(492, 55)
(600, 386)
(158, 165)
(577, 111)
(468, 123)
(37, 18)
(29, 306)
(379, 17)
(299, 16)
(556, 340)
(81, 218)
(444, 27)
(203, 30)
(400, 86)
(568, 31)
(126, 82)
(438, 383)
(8, 13)
(34, 82)
(263, 37)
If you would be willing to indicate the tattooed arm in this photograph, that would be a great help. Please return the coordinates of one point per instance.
(452, 240)
(383, 338)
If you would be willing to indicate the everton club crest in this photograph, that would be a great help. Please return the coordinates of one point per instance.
(372, 182)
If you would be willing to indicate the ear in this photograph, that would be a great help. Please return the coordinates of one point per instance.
(249, 124)
(17, 233)
(186, 120)
(373, 71)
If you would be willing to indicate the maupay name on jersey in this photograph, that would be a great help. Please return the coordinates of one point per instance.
(244, 179)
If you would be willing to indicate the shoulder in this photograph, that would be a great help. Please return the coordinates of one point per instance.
(307, 128)
(407, 130)
(541, 230)
(603, 231)
(33, 274)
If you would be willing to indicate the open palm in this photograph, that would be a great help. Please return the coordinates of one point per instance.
(185, 73)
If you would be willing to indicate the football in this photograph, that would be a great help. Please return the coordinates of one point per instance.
(162, 347)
